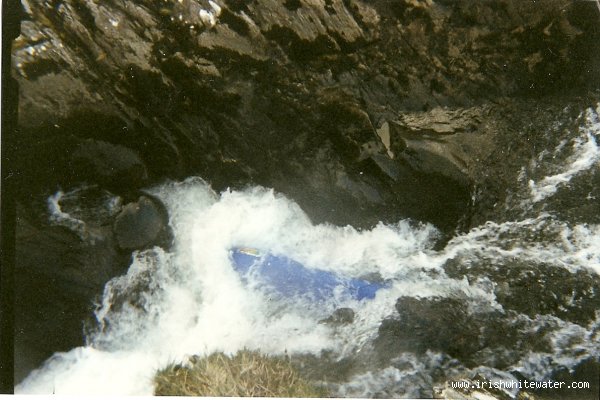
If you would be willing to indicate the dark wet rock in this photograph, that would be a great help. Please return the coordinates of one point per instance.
(66, 154)
(326, 366)
(586, 372)
(537, 288)
(253, 92)
(57, 275)
(65, 257)
(112, 166)
(341, 316)
(451, 143)
(455, 327)
(93, 204)
(437, 324)
(579, 201)
(141, 224)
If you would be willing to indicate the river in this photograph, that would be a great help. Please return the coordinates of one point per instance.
(189, 301)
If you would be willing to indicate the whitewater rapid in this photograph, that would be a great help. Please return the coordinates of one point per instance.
(189, 300)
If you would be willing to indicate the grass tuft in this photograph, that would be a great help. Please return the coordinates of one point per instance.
(247, 374)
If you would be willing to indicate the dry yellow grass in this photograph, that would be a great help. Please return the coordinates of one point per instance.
(247, 374)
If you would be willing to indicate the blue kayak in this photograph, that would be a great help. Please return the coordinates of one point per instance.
(289, 278)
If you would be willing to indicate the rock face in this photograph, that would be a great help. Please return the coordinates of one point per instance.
(292, 94)
(107, 164)
(57, 276)
(449, 326)
(450, 143)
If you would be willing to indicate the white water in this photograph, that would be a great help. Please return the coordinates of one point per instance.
(585, 154)
(191, 302)
(59, 217)
(75, 216)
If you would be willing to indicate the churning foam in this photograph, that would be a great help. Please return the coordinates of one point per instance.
(73, 215)
(171, 305)
(585, 155)
(59, 217)
(190, 301)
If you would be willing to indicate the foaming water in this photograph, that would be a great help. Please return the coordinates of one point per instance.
(189, 301)
(585, 153)
(541, 239)
(59, 217)
(64, 209)
(538, 365)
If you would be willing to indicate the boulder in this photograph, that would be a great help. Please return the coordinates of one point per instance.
(438, 324)
(448, 142)
(341, 316)
(141, 224)
(63, 261)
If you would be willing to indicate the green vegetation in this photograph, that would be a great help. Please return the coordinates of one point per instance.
(248, 374)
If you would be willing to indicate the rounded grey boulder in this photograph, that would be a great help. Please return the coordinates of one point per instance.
(140, 224)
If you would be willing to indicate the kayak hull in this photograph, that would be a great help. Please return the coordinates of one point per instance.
(289, 278)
